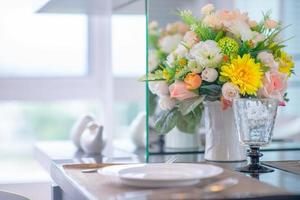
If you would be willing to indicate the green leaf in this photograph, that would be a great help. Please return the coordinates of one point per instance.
(156, 76)
(188, 105)
(265, 69)
(203, 31)
(212, 92)
(187, 17)
(223, 79)
(166, 121)
(219, 35)
(153, 41)
(190, 123)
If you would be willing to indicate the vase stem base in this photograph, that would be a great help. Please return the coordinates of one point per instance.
(255, 169)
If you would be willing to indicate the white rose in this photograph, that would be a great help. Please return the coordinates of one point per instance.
(209, 75)
(169, 43)
(181, 51)
(207, 54)
(267, 59)
(166, 103)
(153, 60)
(241, 29)
(230, 91)
(207, 9)
(160, 88)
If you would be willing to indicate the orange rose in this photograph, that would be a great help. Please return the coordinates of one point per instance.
(192, 81)
(179, 91)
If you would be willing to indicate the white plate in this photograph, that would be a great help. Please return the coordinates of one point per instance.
(163, 174)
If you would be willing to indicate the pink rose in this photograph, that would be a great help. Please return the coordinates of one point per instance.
(182, 28)
(212, 21)
(190, 38)
(257, 37)
(227, 17)
(274, 85)
(177, 27)
(179, 91)
(269, 23)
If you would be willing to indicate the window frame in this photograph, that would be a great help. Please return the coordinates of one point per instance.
(57, 88)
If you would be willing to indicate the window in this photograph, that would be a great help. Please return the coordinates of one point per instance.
(35, 45)
(128, 45)
(42, 45)
(54, 68)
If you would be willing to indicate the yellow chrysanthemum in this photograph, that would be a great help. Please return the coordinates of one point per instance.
(244, 73)
(286, 63)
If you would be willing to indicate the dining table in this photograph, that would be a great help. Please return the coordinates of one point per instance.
(74, 174)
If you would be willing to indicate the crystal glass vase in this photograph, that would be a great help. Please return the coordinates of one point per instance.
(254, 120)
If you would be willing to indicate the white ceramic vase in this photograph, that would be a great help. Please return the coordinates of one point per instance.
(222, 140)
(177, 139)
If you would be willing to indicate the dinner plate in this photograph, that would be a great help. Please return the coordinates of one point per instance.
(162, 174)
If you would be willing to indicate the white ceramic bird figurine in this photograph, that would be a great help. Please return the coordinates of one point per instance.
(78, 129)
(137, 130)
(91, 140)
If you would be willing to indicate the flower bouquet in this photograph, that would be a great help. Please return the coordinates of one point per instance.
(219, 57)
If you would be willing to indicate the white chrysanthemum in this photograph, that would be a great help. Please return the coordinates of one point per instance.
(241, 29)
(153, 60)
(169, 43)
(207, 54)
(166, 103)
(160, 88)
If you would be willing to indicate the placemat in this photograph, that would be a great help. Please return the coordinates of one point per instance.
(292, 166)
(108, 187)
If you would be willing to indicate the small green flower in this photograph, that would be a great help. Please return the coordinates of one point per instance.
(228, 46)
